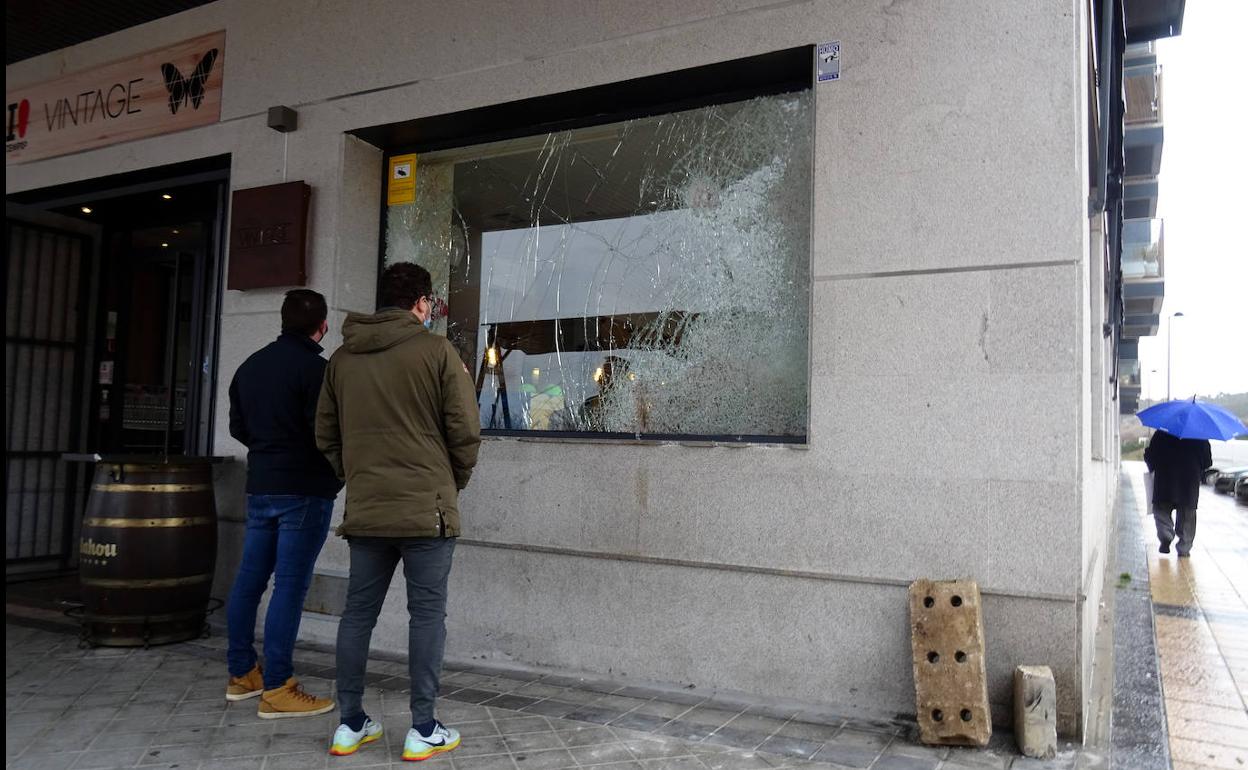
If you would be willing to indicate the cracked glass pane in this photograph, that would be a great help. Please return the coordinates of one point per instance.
(647, 277)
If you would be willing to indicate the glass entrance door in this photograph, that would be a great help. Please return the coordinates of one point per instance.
(158, 317)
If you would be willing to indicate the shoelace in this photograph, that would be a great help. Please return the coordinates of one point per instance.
(297, 692)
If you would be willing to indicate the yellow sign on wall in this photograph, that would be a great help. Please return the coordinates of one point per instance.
(401, 182)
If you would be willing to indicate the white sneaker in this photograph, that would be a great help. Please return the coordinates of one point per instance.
(418, 747)
(347, 741)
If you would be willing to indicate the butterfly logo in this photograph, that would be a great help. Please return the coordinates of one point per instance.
(188, 89)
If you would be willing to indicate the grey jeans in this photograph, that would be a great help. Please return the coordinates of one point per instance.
(1184, 525)
(426, 566)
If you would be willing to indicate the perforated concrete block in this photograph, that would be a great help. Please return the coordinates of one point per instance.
(1035, 711)
(950, 676)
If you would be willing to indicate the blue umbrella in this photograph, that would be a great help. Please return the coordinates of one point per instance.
(1193, 419)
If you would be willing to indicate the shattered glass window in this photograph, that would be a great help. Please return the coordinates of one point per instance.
(649, 277)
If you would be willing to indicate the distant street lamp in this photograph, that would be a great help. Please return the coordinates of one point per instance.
(1169, 345)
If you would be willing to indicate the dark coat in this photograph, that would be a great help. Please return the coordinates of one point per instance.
(398, 421)
(273, 413)
(1177, 465)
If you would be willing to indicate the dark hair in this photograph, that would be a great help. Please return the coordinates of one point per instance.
(303, 312)
(403, 284)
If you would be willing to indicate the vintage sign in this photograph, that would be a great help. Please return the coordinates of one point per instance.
(268, 236)
(401, 180)
(158, 92)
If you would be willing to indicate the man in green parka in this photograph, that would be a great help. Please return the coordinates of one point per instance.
(398, 421)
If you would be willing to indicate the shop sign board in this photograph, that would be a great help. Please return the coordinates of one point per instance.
(158, 92)
(268, 236)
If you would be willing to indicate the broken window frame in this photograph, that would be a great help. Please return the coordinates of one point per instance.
(720, 84)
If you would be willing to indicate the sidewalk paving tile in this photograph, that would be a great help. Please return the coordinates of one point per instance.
(551, 708)
(172, 714)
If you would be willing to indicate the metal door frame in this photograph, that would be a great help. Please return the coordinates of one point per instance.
(77, 477)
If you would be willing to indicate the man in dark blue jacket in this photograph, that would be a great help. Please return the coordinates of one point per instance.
(290, 496)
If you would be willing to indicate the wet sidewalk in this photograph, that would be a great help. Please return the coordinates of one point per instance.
(164, 708)
(1200, 609)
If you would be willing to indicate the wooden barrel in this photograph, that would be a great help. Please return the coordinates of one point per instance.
(147, 552)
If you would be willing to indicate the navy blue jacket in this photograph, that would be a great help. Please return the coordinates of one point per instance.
(273, 411)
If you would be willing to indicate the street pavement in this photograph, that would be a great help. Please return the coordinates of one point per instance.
(164, 707)
(1201, 616)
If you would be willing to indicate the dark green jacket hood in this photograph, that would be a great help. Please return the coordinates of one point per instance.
(381, 331)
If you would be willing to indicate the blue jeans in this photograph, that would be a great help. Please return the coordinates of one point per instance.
(284, 536)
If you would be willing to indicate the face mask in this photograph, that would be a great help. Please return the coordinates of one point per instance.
(429, 322)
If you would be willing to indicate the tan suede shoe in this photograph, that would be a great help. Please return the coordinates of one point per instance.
(248, 685)
(290, 700)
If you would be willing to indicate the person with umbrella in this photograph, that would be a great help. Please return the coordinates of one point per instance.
(1177, 455)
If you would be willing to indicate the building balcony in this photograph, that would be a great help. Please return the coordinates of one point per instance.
(1148, 20)
(1143, 276)
(1130, 384)
(1143, 249)
(1129, 397)
(1144, 135)
(1142, 84)
(1139, 198)
(1143, 298)
(1140, 53)
(1142, 325)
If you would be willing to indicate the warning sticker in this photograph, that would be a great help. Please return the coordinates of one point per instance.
(828, 60)
(401, 181)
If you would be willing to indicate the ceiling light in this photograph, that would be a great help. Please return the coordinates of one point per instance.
(164, 245)
(167, 196)
(86, 209)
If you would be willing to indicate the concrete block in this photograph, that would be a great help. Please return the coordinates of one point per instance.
(327, 594)
(950, 676)
(1035, 711)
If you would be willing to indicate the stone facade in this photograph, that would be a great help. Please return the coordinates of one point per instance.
(954, 359)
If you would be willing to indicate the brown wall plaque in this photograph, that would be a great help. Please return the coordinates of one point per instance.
(268, 236)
